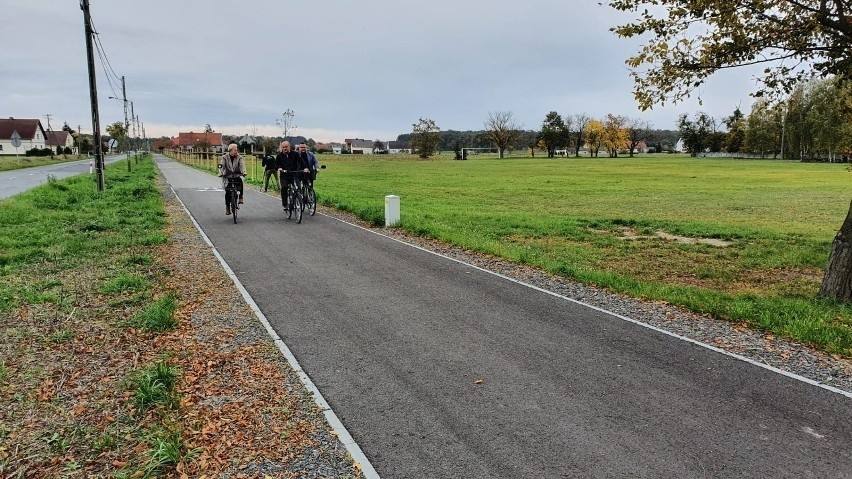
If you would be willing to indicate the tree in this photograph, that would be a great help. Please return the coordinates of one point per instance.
(208, 128)
(502, 130)
(117, 130)
(553, 134)
(637, 132)
(269, 145)
(735, 137)
(692, 39)
(760, 129)
(286, 122)
(580, 122)
(378, 146)
(67, 128)
(696, 133)
(614, 134)
(593, 133)
(425, 137)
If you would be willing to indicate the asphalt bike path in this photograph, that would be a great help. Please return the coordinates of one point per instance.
(13, 182)
(441, 369)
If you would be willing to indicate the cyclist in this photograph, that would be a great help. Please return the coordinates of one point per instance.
(233, 165)
(310, 160)
(289, 165)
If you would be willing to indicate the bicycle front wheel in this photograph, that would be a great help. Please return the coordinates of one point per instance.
(311, 200)
(298, 206)
(235, 205)
(290, 203)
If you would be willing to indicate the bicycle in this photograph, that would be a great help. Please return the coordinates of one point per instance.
(295, 205)
(309, 195)
(232, 195)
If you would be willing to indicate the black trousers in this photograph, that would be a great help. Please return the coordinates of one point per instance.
(288, 180)
(267, 174)
(239, 182)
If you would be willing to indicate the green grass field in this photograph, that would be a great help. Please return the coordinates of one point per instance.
(599, 221)
(9, 162)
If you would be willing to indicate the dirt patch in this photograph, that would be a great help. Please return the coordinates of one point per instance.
(632, 234)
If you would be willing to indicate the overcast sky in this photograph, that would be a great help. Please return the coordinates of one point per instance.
(346, 68)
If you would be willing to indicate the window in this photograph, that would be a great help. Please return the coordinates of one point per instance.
(1, 147)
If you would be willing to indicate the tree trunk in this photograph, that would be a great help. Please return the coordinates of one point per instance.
(837, 283)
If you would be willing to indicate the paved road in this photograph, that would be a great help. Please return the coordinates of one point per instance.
(439, 369)
(13, 182)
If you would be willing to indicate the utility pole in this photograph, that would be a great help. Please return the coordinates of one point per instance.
(50, 133)
(93, 94)
(133, 122)
(124, 97)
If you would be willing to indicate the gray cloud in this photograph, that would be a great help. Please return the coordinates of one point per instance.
(340, 65)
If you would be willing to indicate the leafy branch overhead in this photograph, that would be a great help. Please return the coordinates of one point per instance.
(691, 40)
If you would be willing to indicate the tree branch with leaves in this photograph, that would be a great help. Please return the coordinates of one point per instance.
(693, 39)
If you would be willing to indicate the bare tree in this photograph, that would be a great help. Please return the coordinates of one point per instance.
(637, 132)
(502, 130)
(286, 122)
(580, 122)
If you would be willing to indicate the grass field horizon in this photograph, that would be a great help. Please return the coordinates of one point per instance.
(597, 220)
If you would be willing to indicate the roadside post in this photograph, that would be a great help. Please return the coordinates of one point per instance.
(391, 210)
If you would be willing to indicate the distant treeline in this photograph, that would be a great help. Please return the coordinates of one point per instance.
(661, 140)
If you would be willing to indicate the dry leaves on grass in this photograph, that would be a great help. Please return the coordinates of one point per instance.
(68, 380)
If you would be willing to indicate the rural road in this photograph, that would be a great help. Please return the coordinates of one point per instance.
(13, 182)
(439, 369)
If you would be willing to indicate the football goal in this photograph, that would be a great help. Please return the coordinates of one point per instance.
(480, 153)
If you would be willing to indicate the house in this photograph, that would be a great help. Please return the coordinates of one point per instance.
(359, 146)
(640, 147)
(60, 138)
(29, 130)
(395, 147)
(337, 148)
(187, 141)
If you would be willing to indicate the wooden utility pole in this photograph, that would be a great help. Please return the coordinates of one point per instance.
(93, 94)
(124, 97)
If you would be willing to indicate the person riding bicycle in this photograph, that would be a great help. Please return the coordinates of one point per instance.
(289, 164)
(233, 166)
(310, 160)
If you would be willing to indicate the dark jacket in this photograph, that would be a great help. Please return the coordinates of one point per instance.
(290, 161)
(269, 162)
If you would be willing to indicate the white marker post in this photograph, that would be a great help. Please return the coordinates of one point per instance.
(91, 167)
(391, 210)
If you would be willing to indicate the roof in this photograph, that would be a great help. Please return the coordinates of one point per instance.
(26, 127)
(398, 145)
(56, 138)
(359, 143)
(190, 139)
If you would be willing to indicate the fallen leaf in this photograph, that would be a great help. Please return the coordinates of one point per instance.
(478, 381)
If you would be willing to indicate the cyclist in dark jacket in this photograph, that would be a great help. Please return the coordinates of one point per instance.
(310, 160)
(289, 165)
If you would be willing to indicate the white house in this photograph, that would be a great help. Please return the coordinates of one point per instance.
(30, 130)
(395, 147)
(336, 148)
(359, 146)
